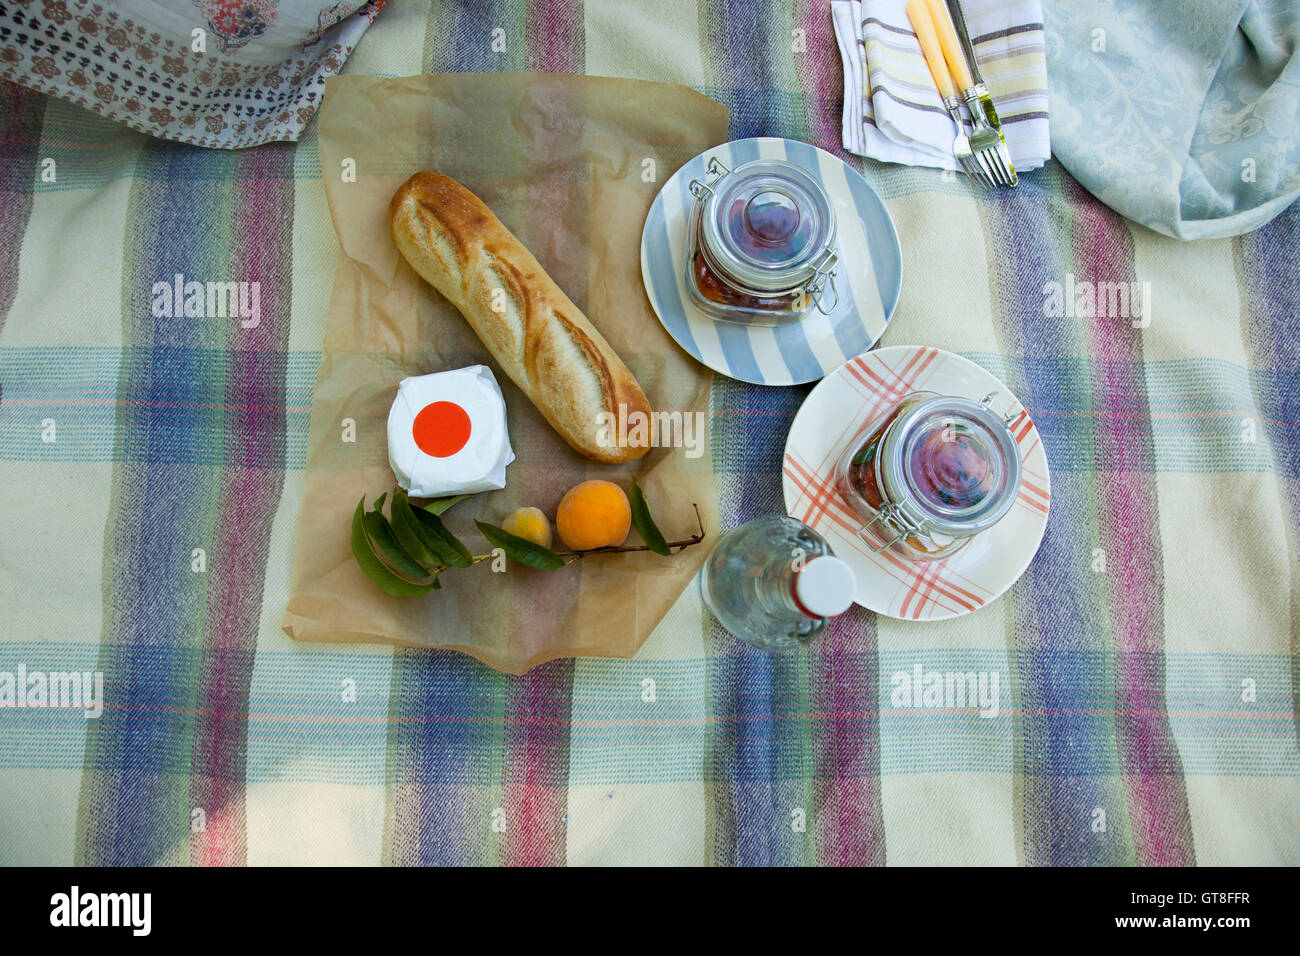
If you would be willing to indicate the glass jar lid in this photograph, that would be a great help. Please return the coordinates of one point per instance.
(951, 465)
(768, 225)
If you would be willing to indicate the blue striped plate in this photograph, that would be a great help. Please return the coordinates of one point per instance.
(869, 278)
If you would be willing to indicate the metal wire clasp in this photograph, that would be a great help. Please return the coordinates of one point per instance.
(1007, 418)
(821, 279)
(716, 169)
(892, 517)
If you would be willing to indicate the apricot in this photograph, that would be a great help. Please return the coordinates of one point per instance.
(529, 524)
(594, 514)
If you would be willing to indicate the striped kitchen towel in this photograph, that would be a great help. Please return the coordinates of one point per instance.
(892, 111)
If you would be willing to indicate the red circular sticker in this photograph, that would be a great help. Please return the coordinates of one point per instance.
(441, 429)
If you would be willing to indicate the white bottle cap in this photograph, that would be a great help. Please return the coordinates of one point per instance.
(825, 586)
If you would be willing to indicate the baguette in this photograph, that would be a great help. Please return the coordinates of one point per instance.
(538, 337)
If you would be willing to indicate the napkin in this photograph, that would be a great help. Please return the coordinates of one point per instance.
(892, 111)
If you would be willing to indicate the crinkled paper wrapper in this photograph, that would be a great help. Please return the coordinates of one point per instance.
(571, 165)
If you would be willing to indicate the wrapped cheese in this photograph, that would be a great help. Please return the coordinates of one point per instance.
(447, 433)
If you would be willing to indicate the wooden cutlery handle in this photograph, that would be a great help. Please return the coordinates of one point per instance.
(923, 24)
(951, 45)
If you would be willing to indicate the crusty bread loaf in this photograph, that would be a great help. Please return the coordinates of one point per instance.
(539, 338)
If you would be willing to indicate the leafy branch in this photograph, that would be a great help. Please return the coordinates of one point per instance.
(407, 551)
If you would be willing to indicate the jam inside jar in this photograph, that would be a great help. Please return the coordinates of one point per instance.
(929, 474)
(761, 243)
(719, 292)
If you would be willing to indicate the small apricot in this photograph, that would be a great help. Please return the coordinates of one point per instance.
(594, 514)
(529, 524)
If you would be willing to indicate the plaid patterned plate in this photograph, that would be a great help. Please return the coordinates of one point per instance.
(838, 411)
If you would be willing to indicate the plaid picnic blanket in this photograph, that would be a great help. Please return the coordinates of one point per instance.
(153, 473)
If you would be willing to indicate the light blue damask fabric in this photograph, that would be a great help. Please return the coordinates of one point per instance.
(1183, 115)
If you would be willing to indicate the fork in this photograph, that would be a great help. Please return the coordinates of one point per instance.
(976, 167)
(987, 142)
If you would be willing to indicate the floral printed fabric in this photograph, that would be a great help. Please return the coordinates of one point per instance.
(221, 73)
(236, 22)
(1182, 116)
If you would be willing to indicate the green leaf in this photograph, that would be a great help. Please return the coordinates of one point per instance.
(644, 524)
(447, 545)
(438, 505)
(521, 549)
(409, 531)
(382, 537)
(376, 570)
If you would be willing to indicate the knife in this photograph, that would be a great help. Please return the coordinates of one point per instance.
(957, 47)
(963, 35)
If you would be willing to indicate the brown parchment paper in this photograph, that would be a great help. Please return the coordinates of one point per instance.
(571, 165)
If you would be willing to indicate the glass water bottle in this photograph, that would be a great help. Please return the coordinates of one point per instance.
(775, 584)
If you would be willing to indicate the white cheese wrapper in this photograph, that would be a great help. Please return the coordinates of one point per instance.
(477, 465)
